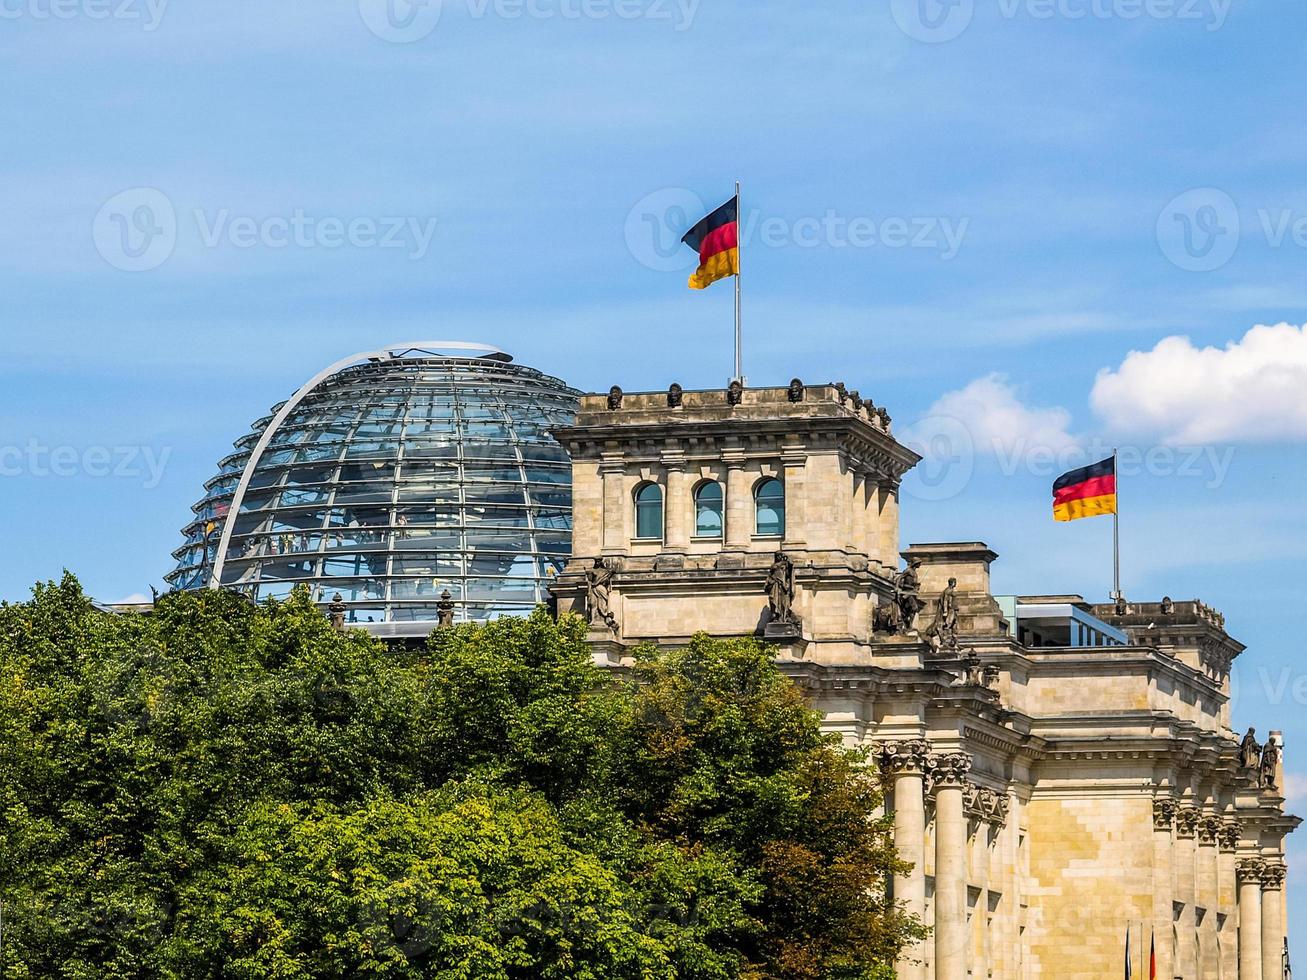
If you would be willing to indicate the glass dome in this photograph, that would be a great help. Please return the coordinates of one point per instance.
(390, 478)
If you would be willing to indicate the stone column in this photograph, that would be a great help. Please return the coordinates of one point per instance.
(1250, 919)
(678, 509)
(1228, 900)
(905, 765)
(794, 460)
(889, 524)
(739, 506)
(951, 867)
(1164, 810)
(1273, 922)
(1209, 958)
(984, 808)
(1186, 890)
(616, 536)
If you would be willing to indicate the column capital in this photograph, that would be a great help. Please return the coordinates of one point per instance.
(1164, 813)
(1186, 821)
(1231, 832)
(912, 755)
(951, 769)
(1251, 870)
(1273, 877)
(1209, 830)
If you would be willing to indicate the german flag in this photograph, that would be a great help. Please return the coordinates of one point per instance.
(717, 240)
(1087, 492)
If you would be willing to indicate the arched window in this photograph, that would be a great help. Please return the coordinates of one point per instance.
(708, 510)
(649, 511)
(769, 508)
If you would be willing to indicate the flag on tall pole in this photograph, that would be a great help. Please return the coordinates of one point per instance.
(1152, 957)
(717, 239)
(1129, 969)
(1091, 491)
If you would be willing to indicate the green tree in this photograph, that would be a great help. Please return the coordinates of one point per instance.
(225, 791)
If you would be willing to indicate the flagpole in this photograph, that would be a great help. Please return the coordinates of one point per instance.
(739, 271)
(1116, 529)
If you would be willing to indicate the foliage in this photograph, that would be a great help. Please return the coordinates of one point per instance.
(225, 791)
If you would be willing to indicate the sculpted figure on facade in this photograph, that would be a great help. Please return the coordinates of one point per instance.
(944, 632)
(598, 590)
(795, 392)
(615, 396)
(675, 396)
(780, 590)
(907, 593)
(734, 393)
(1270, 762)
(1250, 751)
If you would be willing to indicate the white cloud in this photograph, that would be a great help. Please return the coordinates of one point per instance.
(1000, 423)
(134, 599)
(1255, 389)
(1295, 789)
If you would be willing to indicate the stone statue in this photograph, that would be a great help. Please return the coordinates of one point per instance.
(734, 393)
(1270, 762)
(1168, 605)
(780, 590)
(1250, 752)
(615, 396)
(337, 612)
(907, 589)
(1121, 607)
(154, 594)
(856, 398)
(944, 632)
(883, 415)
(840, 390)
(445, 610)
(795, 393)
(598, 588)
(675, 394)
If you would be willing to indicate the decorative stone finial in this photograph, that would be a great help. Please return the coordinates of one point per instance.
(336, 611)
(445, 610)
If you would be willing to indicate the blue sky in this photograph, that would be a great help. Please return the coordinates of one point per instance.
(997, 218)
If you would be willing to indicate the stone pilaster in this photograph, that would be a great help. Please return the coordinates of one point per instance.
(1164, 810)
(1209, 955)
(951, 867)
(1228, 902)
(1250, 918)
(1186, 890)
(612, 472)
(1273, 922)
(678, 509)
(905, 765)
(739, 505)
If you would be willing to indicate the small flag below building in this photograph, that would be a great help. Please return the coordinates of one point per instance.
(1087, 492)
(717, 240)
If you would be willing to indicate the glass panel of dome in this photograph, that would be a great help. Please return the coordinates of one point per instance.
(303, 495)
(540, 474)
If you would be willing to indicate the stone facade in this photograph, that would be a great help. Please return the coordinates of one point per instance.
(1048, 798)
